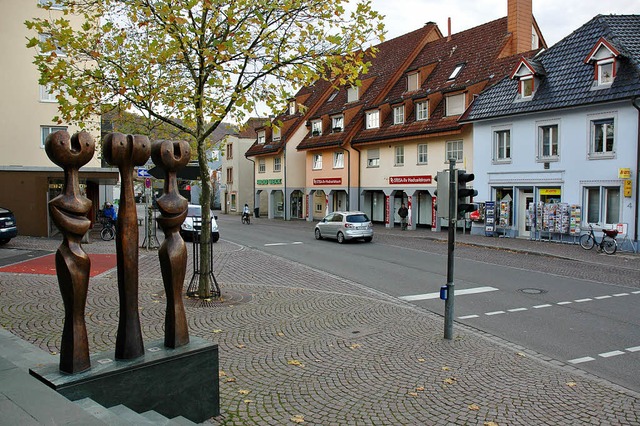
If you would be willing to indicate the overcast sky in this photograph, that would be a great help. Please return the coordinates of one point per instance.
(556, 18)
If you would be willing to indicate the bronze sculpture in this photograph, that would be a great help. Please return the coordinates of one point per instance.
(172, 156)
(126, 152)
(69, 212)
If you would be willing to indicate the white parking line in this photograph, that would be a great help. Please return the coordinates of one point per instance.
(460, 292)
(610, 354)
(581, 360)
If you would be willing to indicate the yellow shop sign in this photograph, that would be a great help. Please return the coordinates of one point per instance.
(624, 173)
(550, 191)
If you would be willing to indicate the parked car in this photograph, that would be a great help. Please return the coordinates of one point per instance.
(345, 226)
(8, 228)
(192, 224)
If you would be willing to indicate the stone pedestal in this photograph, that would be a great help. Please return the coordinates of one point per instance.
(174, 382)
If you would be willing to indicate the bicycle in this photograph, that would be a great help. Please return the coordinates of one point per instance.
(607, 244)
(246, 219)
(108, 231)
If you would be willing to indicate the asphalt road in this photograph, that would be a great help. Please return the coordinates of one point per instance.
(570, 311)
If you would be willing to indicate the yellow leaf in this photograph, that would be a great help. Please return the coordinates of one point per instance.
(521, 354)
(445, 368)
(298, 418)
(412, 394)
(217, 331)
(474, 407)
(244, 392)
(355, 346)
(572, 384)
(420, 388)
(489, 424)
(281, 334)
(295, 362)
(222, 373)
(240, 346)
(450, 380)
(421, 360)
(230, 379)
(248, 401)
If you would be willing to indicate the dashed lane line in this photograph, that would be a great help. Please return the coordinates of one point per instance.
(282, 244)
(609, 354)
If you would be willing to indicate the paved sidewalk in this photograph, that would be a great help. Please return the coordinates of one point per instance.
(300, 346)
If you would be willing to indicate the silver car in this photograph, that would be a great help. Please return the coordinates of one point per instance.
(192, 224)
(345, 226)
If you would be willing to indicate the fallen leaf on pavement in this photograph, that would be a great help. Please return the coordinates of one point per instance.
(474, 407)
(230, 379)
(240, 346)
(244, 392)
(298, 418)
(412, 393)
(222, 373)
(521, 354)
(355, 346)
(217, 330)
(295, 362)
(572, 384)
(420, 388)
(445, 368)
(489, 424)
(248, 401)
(450, 380)
(421, 360)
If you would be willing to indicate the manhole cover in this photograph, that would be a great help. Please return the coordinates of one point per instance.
(533, 290)
(228, 298)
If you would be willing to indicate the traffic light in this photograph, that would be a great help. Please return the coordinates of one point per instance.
(442, 192)
(464, 205)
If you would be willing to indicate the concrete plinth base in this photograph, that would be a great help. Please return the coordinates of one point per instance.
(173, 382)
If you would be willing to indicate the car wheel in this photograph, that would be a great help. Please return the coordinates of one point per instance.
(215, 238)
(5, 241)
(340, 237)
(318, 234)
(368, 239)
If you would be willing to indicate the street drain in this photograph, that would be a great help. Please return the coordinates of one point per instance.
(533, 290)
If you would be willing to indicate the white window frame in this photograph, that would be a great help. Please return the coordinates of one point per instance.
(456, 71)
(275, 133)
(606, 81)
(398, 114)
(261, 137)
(554, 133)
(457, 147)
(372, 119)
(502, 145)
(59, 51)
(607, 204)
(46, 131)
(277, 164)
(262, 167)
(373, 157)
(524, 93)
(54, 5)
(337, 121)
(422, 110)
(338, 160)
(413, 82)
(353, 94)
(455, 104)
(608, 122)
(46, 94)
(398, 155)
(316, 127)
(317, 161)
(423, 157)
(292, 107)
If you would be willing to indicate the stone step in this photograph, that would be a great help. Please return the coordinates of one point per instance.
(161, 420)
(130, 416)
(100, 412)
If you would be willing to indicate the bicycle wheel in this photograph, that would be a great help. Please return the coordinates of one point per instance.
(107, 233)
(609, 245)
(587, 242)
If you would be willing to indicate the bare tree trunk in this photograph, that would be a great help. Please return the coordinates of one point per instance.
(204, 285)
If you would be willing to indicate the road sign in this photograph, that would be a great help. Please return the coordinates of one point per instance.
(142, 172)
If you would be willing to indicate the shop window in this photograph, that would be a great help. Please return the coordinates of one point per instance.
(317, 161)
(261, 166)
(502, 146)
(422, 153)
(454, 150)
(373, 157)
(338, 160)
(548, 142)
(277, 164)
(46, 131)
(399, 155)
(398, 114)
(602, 138)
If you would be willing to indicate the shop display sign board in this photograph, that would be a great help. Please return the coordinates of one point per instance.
(490, 217)
(624, 173)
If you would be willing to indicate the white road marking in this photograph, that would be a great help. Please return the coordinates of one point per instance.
(583, 300)
(603, 297)
(635, 292)
(282, 244)
(633, 349)
(518, 310)
(581, 360)
(620, 294)
(494, 313)
(468, 317)
(457, 292)
(542, 306)
(564, 303)
(610, 354)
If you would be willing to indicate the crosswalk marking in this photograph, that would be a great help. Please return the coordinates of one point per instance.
(460, 292)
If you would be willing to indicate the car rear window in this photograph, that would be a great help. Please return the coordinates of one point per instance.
(357, 218)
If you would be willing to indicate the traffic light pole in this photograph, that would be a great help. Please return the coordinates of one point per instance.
(448, 303)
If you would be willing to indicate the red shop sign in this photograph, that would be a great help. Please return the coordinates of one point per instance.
(410, 180)
(327, 181)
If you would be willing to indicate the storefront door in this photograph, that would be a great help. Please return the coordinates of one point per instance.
(525, 201)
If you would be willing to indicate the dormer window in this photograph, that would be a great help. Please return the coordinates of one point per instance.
(422, 111)
(413, 80)
(276, 133)
(456, 71)
(292, 107)
(261, 137)
(316, 128)
(455, 104)
(337, 123)
(398, 114)
(603, 56)
(528, 74)
(352, 94)
(605, 70)
(373, 119)
(527, 86)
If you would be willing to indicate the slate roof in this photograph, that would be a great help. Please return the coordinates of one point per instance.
(569, 80)
(384, 67)
(478, 48)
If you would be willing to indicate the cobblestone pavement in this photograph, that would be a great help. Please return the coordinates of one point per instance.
(300, 346)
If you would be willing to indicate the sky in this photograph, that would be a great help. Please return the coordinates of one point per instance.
(556, 18)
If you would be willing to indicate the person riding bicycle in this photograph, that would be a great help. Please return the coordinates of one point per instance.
(110, 213)
(245, 211)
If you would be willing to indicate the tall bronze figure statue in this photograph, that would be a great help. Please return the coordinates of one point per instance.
(172, 156)
(126, 152)
(69, 212)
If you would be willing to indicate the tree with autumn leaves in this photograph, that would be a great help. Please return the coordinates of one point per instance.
(193, 63)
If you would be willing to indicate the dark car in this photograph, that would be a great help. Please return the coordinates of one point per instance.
(8, 228)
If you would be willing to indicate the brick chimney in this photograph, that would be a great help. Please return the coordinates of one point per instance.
(519, 24)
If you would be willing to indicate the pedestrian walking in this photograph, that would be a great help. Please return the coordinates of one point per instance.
(403, 212)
